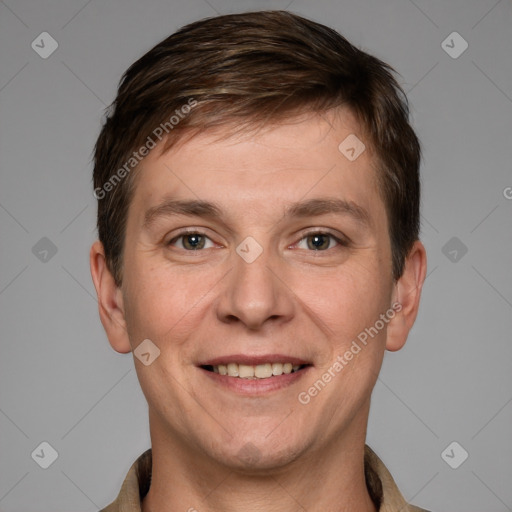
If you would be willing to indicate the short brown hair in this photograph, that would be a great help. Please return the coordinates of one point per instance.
(249, 69)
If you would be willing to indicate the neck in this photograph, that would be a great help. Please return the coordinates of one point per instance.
(332, 479)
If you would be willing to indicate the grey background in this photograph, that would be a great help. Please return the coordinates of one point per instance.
(61, 382)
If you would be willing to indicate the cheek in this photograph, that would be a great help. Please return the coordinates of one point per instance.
(163, 304)
(348, 300)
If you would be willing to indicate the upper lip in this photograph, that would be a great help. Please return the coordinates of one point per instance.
(253, 360)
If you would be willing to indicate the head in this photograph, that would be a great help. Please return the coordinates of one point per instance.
(244, 117)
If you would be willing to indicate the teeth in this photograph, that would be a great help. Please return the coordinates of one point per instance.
(277, 369)
(260, 371)
(263, 371)
(245, 372)
(233, 370)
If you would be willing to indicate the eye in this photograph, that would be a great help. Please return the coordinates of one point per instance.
(320, 241)
(191, 241)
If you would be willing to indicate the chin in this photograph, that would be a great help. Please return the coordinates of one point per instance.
(258, 455)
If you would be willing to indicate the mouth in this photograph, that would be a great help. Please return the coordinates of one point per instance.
(266, 370)
(256, 375)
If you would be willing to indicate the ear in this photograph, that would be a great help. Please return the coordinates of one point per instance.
(406, 296)
(110, 300)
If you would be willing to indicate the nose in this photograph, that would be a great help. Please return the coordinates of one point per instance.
(255, 293)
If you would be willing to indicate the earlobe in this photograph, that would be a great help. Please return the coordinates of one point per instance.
(110, 300)
(407, 293)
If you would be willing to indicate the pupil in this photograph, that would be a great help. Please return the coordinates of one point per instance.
(193, 241)
(318, 241)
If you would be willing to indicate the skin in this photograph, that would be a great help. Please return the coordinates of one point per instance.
(215, 449)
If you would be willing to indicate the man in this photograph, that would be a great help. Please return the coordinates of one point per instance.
(258, 216)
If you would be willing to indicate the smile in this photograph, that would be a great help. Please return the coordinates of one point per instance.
(259, 371)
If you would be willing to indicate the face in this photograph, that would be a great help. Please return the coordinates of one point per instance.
(254, 256)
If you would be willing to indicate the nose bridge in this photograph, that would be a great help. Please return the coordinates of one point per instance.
(254, 293)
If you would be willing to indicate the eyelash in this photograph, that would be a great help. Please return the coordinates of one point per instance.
(341, 242)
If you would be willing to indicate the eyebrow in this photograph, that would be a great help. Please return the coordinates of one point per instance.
(211, 210)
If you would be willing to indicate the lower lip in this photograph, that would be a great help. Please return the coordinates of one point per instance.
(255, 387)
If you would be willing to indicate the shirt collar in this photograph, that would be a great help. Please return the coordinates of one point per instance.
(381, 486)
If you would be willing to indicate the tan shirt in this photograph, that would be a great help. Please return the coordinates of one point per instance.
(380, 483)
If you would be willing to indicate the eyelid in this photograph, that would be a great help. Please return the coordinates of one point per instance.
(189, 231)
(340, 238)
(324, 231)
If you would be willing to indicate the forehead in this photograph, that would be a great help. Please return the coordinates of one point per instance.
(309, 156)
